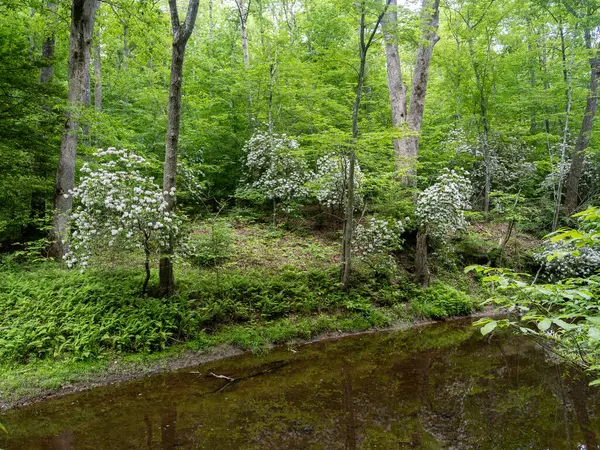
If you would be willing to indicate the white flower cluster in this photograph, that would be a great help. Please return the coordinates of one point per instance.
(440, 207)
(378, 237)
(566, 261)
(117, 205)
(458, 140)
(272, 169)
(331, 181)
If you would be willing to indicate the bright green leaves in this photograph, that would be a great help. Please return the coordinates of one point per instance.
(489, 327)
(545, 324)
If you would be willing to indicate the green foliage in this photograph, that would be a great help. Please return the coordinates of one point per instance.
(50, 313)
(565, 312)
(210, 246)
(440, 301)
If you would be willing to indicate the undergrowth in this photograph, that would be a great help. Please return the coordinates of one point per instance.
(51, 313)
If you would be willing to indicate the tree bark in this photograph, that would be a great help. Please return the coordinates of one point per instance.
(408, 147)
(583, 140)
(181, 34)
(421, 260)
(396, 87)
(82, 27)
(243, 15)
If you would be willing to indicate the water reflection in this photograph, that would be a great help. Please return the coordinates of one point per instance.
(441, 386)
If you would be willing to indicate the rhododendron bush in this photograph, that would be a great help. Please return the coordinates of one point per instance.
(118, 206)
(441, 207)
(272, 171)
(331, 180)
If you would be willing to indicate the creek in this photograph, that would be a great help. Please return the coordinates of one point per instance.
(430, 387)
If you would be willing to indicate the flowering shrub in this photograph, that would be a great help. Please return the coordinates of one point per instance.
(118, 206)
(378, 237)
(573, 253)
(440, 207)
(330, 182)
(561, 260)
(271, 171)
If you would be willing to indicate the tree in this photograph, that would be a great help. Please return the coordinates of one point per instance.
(407, 147)
(243, 12)
(440, 211)
(119, 206)
(585, 133)
(82, 27)
(181, 34)
(363, 47)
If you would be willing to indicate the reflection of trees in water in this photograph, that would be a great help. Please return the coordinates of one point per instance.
(571, 389)
(168, 425)
(437, 387)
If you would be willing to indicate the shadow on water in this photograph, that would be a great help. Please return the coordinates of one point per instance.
(441, 386)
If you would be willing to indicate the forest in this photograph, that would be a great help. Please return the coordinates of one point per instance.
(179, 177)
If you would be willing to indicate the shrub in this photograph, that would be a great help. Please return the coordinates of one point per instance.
(440, 301)
(210, 248)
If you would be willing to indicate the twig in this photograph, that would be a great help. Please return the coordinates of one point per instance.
(224, 377)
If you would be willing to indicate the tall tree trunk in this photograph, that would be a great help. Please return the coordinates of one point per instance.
(82, 27)
(486, 129)
(421, 259)
(396, 87)
(349, 215)
(243, 16)
(583, 140)
(181, 34)
(409, 146)
(558, 192)
(364, 45)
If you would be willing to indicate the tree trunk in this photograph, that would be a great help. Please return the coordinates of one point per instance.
(363, 48)
(82, 27)
(181, 34)
(583, 140)
(558, 193)
(408, 147)
(146, 264)
(486, 129)
(396, 87)
(421, 260)
(243, 15)
(349, 216)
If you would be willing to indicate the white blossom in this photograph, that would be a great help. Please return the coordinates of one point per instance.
(111, 198)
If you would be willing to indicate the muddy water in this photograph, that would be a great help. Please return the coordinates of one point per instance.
(441, 386)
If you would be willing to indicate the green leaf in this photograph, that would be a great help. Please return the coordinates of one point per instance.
(594, 334)
(545, 324)
(564, 325)
(487, 329)
(594, 320)
(595, 382)
(3, 428)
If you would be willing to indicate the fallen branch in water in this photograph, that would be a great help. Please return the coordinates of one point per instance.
(225, 377)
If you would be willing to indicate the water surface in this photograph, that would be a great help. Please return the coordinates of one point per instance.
(440, 386)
